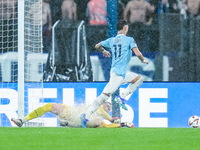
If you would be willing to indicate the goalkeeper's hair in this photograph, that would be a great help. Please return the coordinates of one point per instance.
(107, 102)
(121, 24)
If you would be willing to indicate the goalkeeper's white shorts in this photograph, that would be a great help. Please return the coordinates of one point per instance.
(116, 80)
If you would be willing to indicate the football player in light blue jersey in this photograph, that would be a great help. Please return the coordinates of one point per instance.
(121, 47)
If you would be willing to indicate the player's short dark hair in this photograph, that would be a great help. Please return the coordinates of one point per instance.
(121, 24)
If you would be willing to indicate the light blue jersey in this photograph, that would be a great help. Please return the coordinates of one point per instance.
(120, 46)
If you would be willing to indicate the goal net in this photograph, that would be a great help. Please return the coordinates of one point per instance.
(21, 58)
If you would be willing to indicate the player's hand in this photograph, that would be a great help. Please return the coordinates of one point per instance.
(106, 53)
(116, 120)
(145, 61)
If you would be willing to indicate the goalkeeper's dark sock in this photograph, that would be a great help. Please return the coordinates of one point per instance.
(38, 112)
(123, 124)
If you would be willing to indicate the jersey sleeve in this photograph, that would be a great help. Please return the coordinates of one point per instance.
(103, 113)
(112, 125)
(132, 43)
(106, 43)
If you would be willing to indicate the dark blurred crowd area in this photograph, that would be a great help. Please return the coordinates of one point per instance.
(153, 33)
(140, 14)
(144, 17)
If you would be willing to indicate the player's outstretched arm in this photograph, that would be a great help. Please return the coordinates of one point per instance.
(100, 48)
(139, 55)
(112, 125)
(106, 116)
(117, 125)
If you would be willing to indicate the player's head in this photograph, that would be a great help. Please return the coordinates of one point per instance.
(107, 106)
(122, 25)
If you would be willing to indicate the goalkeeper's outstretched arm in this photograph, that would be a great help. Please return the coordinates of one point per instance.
(106, 116)
(103, 111)
(117, 125)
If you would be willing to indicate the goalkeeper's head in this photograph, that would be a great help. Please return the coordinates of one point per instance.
(122, 27)
(107, 106)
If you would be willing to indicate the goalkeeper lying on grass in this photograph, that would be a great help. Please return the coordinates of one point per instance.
(70, 116)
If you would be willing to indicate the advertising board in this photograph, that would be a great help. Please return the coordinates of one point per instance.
(153, 104)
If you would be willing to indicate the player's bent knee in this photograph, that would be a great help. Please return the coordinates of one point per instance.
(141, 80)
(138, 79)
(57, 108)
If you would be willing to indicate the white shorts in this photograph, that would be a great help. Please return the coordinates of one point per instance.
(115, 81)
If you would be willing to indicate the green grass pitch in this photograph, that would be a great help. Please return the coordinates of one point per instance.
(60, 138)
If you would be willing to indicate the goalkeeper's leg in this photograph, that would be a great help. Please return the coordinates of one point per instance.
(35, 114)
(38, 112)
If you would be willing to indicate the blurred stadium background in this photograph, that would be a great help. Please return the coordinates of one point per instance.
(170, 43)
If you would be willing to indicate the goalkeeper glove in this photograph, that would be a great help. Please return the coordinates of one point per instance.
(115, 120)
(127, 124)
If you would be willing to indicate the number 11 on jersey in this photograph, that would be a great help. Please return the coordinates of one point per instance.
(118, 49)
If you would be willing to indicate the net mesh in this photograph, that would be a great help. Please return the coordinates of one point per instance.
(34, 59)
